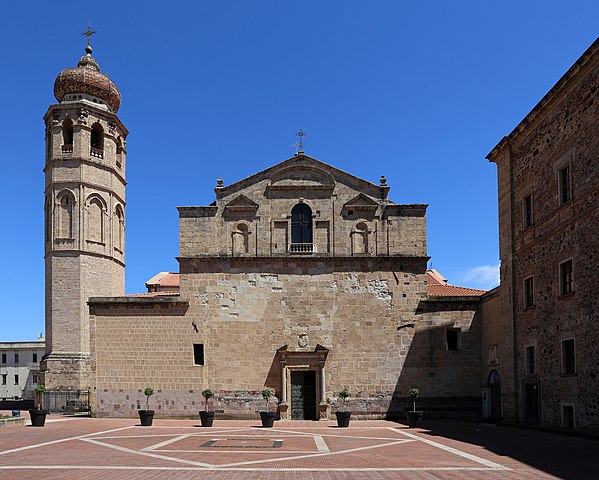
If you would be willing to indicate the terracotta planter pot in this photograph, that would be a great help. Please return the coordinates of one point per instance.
(146, 417)
(343, 418)
(268, 419)
(206, 418)
(38, 417)
(414, 418)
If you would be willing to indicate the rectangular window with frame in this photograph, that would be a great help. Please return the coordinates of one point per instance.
(16, 358)
(35, 358)
(4, 375)
(4, 358)
(566, 278)
(198, 354)
(568, 357)
(527, 218)
(34, 379)
(16, 379)
(453, 339)
(530, 360)
(564, 185)
(529, 293)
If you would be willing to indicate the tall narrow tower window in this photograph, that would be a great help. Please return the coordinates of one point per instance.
(65, 216)
(119, 228)
(301, 229)
(95, 225)
(119, 152)
(67, 136)
(97, 141)
(48, 218)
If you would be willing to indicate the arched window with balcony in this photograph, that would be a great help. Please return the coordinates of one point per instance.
(67, 136)
(97, 141)
(301, 229)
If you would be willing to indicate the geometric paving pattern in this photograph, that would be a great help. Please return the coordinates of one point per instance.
(180, 449)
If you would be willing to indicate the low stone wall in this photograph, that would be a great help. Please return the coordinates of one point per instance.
(12, 422)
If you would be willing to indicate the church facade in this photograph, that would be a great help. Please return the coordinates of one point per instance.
(301, 278)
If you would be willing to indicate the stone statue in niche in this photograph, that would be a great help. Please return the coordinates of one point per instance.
(111, 126)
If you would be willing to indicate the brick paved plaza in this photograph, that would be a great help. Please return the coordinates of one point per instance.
(86, 448)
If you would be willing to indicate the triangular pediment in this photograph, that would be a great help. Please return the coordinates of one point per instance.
(302, 173)
(360, 203)
(361, 200)
(241, 203)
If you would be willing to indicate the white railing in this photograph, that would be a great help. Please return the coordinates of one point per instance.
(301, 248)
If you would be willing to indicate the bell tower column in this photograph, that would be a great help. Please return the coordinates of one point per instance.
(84, 203)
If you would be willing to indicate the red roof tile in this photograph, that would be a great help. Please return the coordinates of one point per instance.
(437, 287)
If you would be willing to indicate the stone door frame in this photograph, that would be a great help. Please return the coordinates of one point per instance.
(303, 361)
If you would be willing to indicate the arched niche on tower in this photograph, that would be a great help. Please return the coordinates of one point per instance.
(119, 229)
(95, 222)
(65, 213)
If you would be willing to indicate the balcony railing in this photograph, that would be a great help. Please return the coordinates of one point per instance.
(96, 152)
(67, 148)
(301, 248)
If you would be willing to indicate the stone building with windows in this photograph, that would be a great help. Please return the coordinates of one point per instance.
(19, 368)
(548, 181)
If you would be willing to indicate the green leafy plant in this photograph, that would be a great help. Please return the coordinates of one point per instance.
(40, 390)
(413, 393)
(343, 395)
(148, 392)
(207, 394)
(266, 394)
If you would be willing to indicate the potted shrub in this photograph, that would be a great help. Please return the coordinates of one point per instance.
(207, 417)
(414, 416)
(267, 417)
(38, 415)
(343, 415)
(147, 416)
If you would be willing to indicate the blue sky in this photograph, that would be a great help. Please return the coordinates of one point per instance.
(417, 91)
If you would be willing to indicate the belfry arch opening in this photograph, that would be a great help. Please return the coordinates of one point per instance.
(97, 140)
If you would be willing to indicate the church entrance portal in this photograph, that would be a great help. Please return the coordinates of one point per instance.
(303, 386)
(303, 395)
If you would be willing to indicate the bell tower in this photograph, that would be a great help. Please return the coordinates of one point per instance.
(84, 203)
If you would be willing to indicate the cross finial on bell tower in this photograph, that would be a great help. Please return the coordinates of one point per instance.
(300, 143)
(88, 33)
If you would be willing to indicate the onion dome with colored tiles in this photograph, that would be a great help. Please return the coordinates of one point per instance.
(86, 82)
